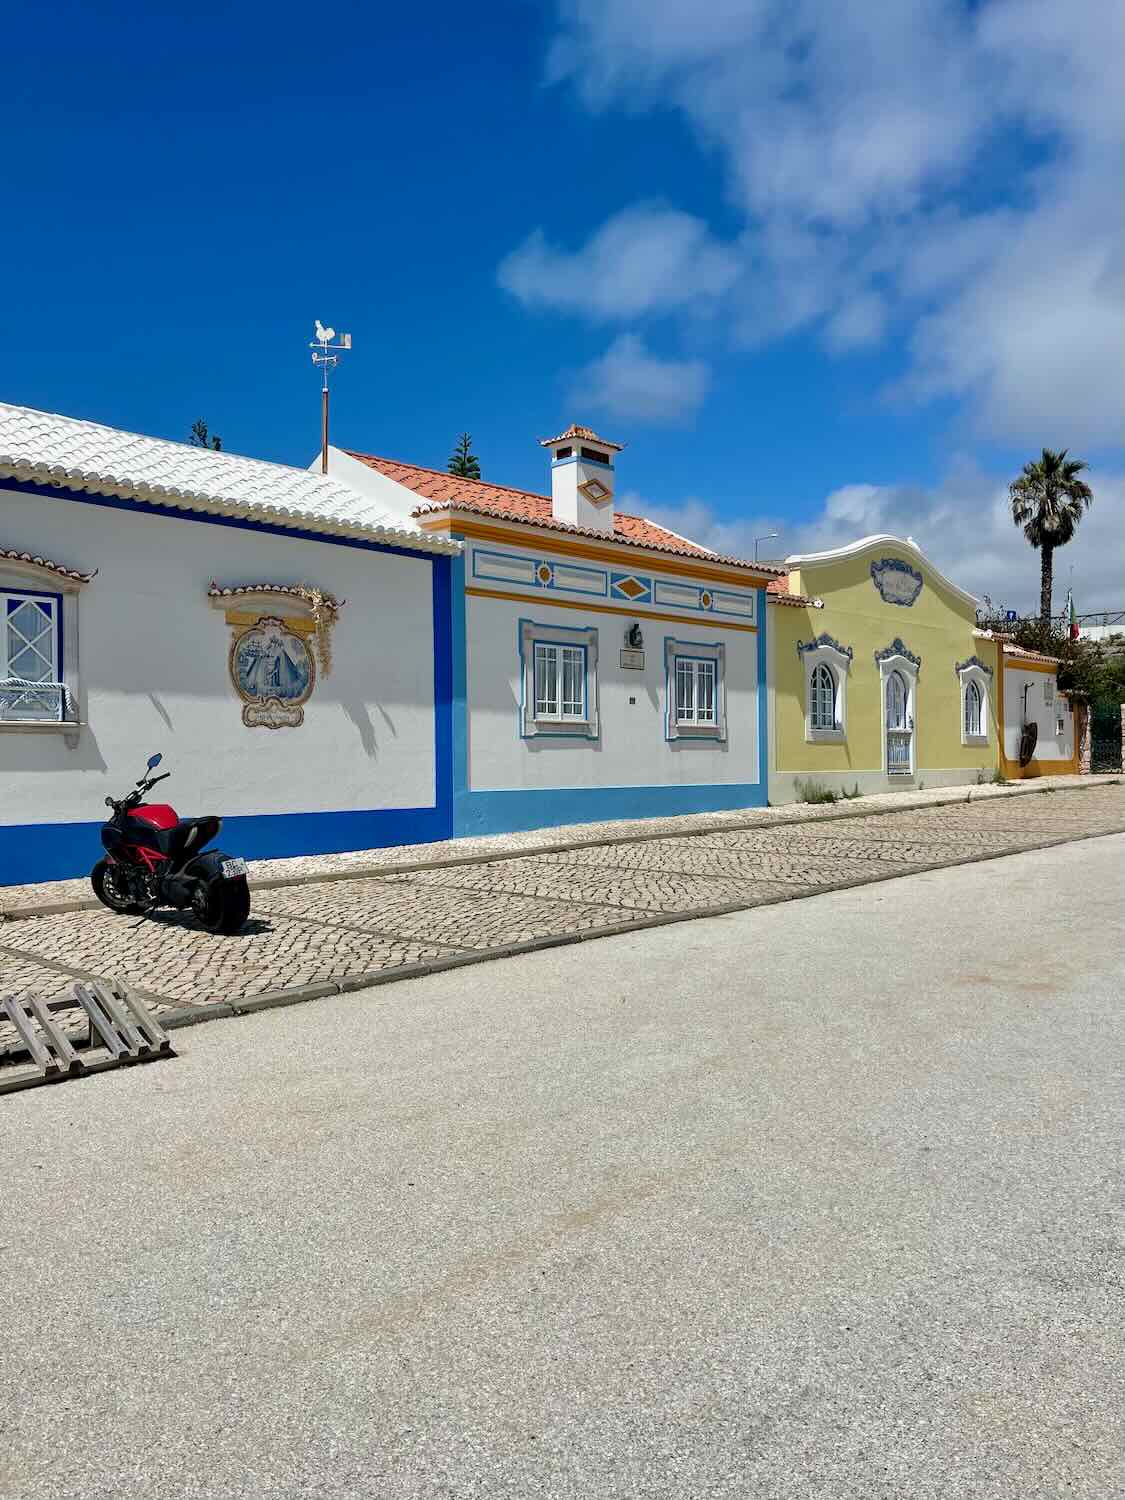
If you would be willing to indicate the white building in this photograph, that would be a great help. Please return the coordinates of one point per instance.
(604, 667)
(281, 640)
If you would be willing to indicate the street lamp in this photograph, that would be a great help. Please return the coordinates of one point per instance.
(769, 537)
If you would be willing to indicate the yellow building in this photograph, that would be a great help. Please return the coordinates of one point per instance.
(878, 678)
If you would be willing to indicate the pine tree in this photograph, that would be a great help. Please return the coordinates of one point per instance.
(201, 438)
(463, 461)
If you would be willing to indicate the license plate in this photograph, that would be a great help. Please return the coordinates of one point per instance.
(233, 868)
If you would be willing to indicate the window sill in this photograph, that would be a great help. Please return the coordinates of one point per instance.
(40, 726)
(825, 736)
(554, 728)
(975, 741)
(697, 732)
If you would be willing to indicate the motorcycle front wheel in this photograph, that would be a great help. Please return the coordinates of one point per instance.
(111, 891)
(222, 905)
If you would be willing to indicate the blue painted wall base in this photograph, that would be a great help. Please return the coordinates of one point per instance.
(31, 852)
(518, 811)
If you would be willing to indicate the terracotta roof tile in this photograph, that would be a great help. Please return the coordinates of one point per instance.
(778, 592)
(581, 435)
(451, 492)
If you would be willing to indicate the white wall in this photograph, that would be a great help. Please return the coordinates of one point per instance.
(631, 749)
(1050, 745)
(153, 668)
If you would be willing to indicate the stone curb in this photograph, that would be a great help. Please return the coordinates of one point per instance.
(782, 816)
(274, 999)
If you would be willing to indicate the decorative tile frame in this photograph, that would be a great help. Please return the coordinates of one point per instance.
(898, 648)
(896, 581)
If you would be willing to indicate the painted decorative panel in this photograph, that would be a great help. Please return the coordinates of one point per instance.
(579, 580)
(273, 672)
(503, 567)
(824, 639)
(678, 595)
(638, 590)
(728, 603)
(896, 581)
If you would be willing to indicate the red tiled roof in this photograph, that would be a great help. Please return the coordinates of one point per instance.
(451, 492)
(582, 435)
(778, 592)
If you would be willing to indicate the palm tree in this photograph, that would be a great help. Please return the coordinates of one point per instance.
(463, 461)
(1048, 501)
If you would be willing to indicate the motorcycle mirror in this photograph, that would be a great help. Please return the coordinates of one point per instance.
(154, 761)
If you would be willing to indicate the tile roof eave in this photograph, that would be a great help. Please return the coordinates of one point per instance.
(696, 554)
(115, 486)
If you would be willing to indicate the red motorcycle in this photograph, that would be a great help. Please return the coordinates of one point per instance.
(156, 858)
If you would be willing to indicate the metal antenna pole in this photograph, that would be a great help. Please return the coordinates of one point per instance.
(326, 354)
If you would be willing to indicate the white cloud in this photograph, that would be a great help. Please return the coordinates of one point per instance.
(630, 382)
(952, 170)
(644, 259)
(963, 525)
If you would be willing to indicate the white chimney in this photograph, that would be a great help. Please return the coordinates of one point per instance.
(582, 479)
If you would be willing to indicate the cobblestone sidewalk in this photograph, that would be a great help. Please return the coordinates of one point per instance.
(354, 931)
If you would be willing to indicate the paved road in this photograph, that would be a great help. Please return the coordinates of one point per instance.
(345, 929)
(814, 1200)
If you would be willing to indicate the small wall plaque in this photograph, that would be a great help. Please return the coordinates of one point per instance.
(633, 661)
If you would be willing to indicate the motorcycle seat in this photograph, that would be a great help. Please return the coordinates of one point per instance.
(191, 834)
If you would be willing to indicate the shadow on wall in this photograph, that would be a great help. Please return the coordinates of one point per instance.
(22, 751)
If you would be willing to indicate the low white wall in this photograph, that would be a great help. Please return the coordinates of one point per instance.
(154, 677)
(631, 749)
(1051, 744)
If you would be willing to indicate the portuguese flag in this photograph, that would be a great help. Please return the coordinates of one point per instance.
(1073, 616)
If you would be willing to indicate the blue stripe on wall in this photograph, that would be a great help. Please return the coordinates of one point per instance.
(57, 851)
(550, 807)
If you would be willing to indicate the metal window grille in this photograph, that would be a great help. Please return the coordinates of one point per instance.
(696, 691)
(29, 668)
(560, 681)
(974, 709)
(898, 726)
(822, 698)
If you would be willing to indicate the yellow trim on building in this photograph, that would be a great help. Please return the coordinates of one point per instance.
(549, 601)
(630, 555)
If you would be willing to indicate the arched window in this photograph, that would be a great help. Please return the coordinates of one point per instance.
(822, 697)
(896, 701)
(974, 710)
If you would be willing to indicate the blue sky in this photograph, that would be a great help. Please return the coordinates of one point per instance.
(825, 270)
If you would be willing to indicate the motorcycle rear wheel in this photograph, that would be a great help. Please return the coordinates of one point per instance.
(223, 905)
(104, 881)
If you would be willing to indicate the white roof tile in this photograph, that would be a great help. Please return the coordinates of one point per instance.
(46, 448)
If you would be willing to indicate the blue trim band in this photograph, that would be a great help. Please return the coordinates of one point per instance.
(554, 807)
(57, 851)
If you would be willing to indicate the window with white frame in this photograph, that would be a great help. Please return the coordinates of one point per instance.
(695, 690)
(822, 697)
(975, 680)
(696, 698)
(827, 665)
(974, 711)
(31, 686)
(559, 680)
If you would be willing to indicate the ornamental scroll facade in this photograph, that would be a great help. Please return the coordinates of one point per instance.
(280, 633)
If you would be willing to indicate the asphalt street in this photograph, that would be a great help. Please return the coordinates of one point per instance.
(813, 1200)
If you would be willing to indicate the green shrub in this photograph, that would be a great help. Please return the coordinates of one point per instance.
(853, 794)
(813, 791)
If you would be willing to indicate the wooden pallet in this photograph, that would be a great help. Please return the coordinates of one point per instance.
(121, 1031)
